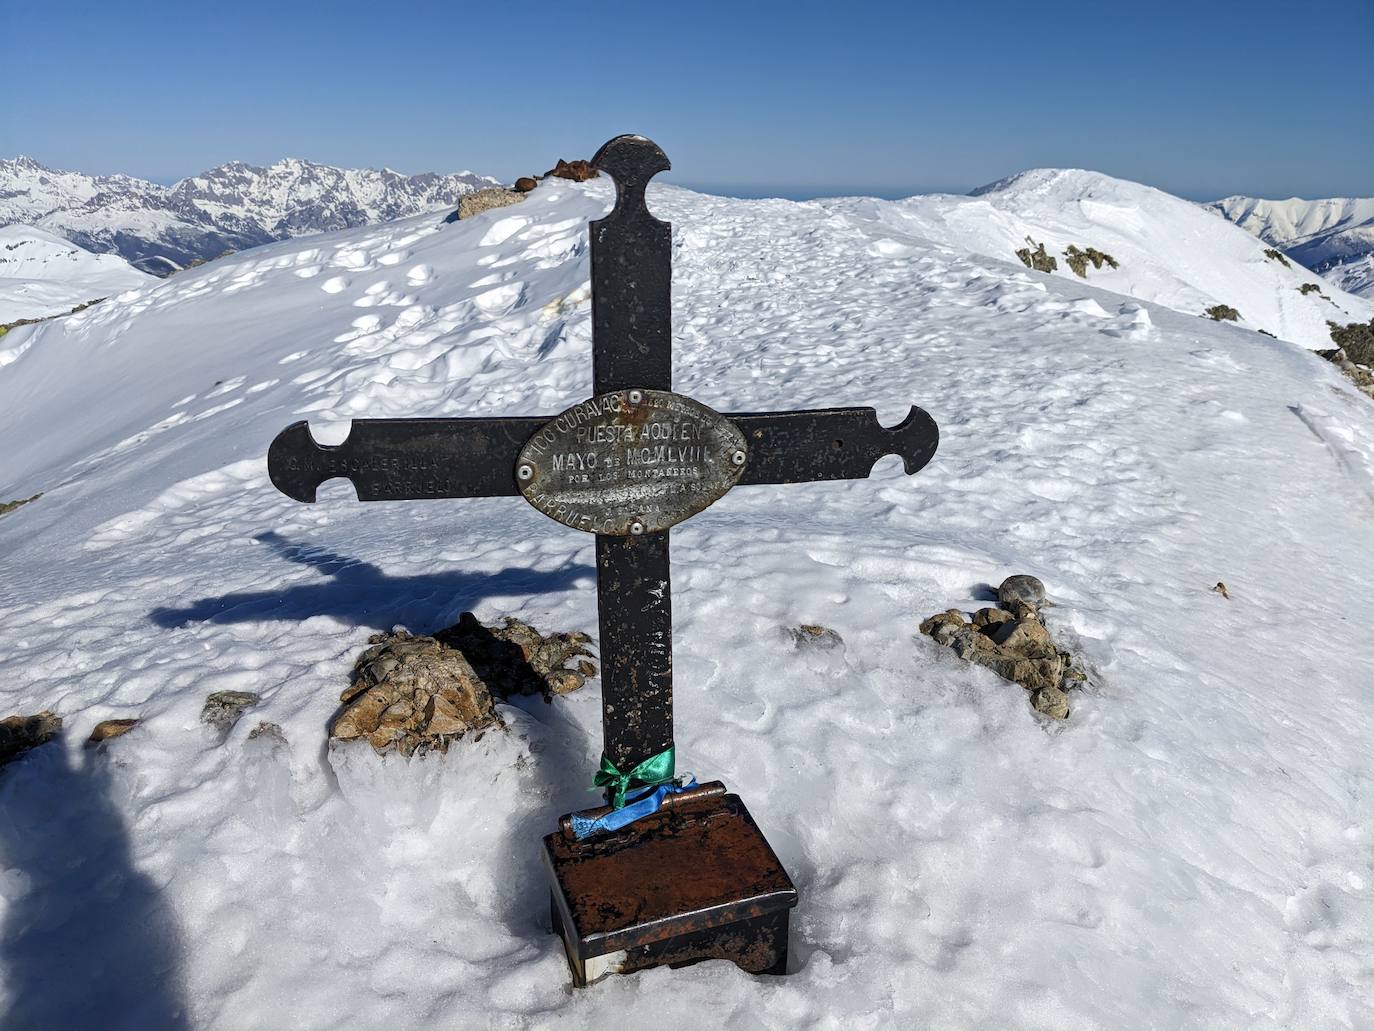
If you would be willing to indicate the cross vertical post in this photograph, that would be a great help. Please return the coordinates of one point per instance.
(631, 272)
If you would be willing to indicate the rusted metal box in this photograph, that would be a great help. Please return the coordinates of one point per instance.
(696, 880)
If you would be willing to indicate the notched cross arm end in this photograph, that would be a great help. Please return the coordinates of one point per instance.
(294, 478)
(915, 440)
(831, 444)
(404, 459)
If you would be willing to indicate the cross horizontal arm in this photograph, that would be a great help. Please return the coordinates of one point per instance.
(831, 444)
(405, 459)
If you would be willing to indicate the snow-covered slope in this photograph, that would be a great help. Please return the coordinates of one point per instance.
(231, 207)
(42, 274)
(1191, 849)
(1320, 234)
(1170, 251)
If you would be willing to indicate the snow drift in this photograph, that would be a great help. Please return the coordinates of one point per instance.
(1191, 849)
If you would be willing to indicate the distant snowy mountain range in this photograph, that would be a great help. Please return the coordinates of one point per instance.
(235, 206)
(1334, 237)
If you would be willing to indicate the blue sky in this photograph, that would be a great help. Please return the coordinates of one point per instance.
(796, 99)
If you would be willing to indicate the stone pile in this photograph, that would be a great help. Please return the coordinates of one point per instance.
(1012, 641)
(415, 694)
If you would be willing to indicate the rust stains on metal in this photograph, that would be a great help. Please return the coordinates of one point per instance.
(696, 880)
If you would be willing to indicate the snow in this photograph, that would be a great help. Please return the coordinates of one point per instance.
(42, 274)
(1170, 251)
(1191, 849)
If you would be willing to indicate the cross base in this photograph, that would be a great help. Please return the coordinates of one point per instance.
(695, 881)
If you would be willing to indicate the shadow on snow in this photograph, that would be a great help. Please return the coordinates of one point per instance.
(364, 595)
(89, 941)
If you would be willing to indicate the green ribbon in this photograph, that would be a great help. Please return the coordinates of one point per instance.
(657, 769)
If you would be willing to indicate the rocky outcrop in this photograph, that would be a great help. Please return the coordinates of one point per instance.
(1356, 339)
(1013, 642)
(485, 200)
(1077, 260)
(525, 184)
(9, 506)
(19, 734)
(1034, 256)
(416, 694)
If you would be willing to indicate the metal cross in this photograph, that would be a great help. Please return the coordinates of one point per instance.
(412, 459)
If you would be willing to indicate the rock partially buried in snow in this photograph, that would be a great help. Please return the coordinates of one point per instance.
(109, 729)
(1021, 587)
(268, 732)
(812, 635)
(485, 200)
(223, 708)
(414, 694)
(1014, 643)
(1052, 702)
(18, 734)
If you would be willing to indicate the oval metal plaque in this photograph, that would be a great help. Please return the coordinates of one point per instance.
(630, 462)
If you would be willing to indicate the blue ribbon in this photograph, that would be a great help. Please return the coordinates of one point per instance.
(638, 804)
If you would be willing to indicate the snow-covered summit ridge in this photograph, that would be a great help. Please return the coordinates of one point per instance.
(1190, 850)
(1170, 251)
(42, 274)
(231, 207)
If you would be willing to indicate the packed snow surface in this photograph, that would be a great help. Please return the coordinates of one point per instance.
(1193, 848)
(1169, 251)
(42, 274)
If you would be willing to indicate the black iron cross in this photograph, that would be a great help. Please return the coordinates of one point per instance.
(411, 459)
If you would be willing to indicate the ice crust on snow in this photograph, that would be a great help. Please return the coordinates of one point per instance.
(1191, 850)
